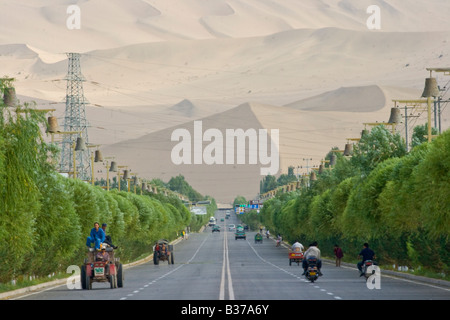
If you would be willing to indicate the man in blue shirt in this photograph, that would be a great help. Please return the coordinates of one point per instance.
(366, 254)
(97, 237)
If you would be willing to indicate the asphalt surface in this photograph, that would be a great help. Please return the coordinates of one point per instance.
(214, 266)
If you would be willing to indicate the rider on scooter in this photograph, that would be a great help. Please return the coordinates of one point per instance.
(313, 251)
(366, 254)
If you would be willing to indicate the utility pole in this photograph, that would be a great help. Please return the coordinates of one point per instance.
(75, 120)
(307, 164)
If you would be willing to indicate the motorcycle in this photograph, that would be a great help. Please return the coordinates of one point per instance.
(368, 270)
(312, 272)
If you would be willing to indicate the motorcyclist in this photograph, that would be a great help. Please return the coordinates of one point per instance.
(367, 254)
(297, 246)
(279, 239)
(313, 251)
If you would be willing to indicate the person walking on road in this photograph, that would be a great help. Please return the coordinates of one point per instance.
(339, 254)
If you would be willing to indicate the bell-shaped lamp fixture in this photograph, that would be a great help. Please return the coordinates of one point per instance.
(320, 168)
(53, 126)
(98, 156)
(348, 149)
(431, 88)
(81, 145)
(396, 116)
(125, 175)
(113, 167)
(332, 159)
(364, 133)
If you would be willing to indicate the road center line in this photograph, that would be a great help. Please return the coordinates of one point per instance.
(226, 267)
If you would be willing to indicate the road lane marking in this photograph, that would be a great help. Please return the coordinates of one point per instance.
(169, 272)
(226, 267)
(290, 273)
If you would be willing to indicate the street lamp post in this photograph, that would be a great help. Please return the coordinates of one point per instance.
(125, 174)
(431, 90)
(112, 168)
(98, 158)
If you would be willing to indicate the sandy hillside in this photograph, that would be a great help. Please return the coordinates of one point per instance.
(310, 68)
(303, 134)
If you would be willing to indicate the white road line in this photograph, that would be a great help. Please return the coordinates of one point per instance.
(405, 280)
(226, 267)
(169, 272)
(290, 273)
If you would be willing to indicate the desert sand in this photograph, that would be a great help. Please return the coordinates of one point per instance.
(311, 69)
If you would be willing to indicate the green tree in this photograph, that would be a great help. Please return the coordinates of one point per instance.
(23, 159)
(239, 200)
(420, 133)
(269, 182)
(375, 147)
(432, 180)
(180, 185)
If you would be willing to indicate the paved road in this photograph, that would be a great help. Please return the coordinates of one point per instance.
(215, 266)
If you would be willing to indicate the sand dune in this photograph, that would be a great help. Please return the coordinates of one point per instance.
(114, 23)
(276, 69)
(356, 99)
(303, 134)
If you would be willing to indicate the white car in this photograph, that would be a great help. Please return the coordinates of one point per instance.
(231, 227)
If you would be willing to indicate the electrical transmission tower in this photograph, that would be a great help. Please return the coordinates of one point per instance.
(75, 121)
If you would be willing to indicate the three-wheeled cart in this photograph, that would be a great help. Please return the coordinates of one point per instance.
(295, 256)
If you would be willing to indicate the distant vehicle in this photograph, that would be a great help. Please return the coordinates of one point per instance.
(295, 256)
(162, 255)
(212, 221)
(231, 227)
(216, 228)
(366, 266)
(240, 233)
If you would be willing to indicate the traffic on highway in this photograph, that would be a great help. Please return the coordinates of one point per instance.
(219, 266)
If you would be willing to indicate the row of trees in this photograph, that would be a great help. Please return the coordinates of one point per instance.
(45, 218)
(397, 201)
(270, 182)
